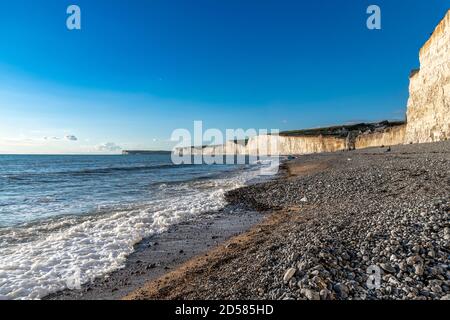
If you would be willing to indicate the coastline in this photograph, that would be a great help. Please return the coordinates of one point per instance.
(158, 254)
(384, 208)
(176, 284)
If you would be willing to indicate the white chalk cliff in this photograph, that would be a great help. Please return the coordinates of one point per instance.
(428, 115)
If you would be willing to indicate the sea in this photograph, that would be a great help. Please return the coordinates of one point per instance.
(66, 220)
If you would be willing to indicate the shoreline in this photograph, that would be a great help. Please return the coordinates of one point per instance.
(382, 208)
(167, 285)
(158, 254)
(310, 233)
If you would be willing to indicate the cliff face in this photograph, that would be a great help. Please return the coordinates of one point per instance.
(428, 115)
(388, 137)
(229, 147)
(294, 145)
(380, 134)
(272, 145)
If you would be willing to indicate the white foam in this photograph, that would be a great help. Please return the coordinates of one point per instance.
(44, 258)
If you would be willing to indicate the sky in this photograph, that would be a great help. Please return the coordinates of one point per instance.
(139, 69)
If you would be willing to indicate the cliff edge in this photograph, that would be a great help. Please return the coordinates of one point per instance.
(428, 113)
(427, 119)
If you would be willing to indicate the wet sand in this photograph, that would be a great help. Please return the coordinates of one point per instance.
(159, 254)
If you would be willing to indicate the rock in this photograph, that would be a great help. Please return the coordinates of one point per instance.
(403, 266)
(341, 290)
(412, 260)
(289, 274)
(393, 281)
(418, 269)
(436, 289)
(409, 280)
(310, 294)
(302, 265)
(324, 294)
(387, 267)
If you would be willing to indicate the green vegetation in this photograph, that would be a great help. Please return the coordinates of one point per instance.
(342, 131)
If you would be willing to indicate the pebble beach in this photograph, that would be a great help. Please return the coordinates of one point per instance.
(333, 219)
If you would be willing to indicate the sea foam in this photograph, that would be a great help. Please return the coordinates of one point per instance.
(66, 252)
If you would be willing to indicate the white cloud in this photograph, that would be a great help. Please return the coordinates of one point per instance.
(71, 138)
(108, 147)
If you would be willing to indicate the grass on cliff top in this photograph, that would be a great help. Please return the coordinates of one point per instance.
(342, 130)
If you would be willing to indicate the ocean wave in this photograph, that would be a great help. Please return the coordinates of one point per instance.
(41, 258)
(91, 171)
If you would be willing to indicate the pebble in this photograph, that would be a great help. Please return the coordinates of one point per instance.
(387, 267)
(341, 290)
(289, 274)
(310, 294)
(324, 294)
(418, 269)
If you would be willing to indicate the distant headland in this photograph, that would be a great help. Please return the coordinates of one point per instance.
(144, 152)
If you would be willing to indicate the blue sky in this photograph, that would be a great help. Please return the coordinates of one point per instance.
(140, 69)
